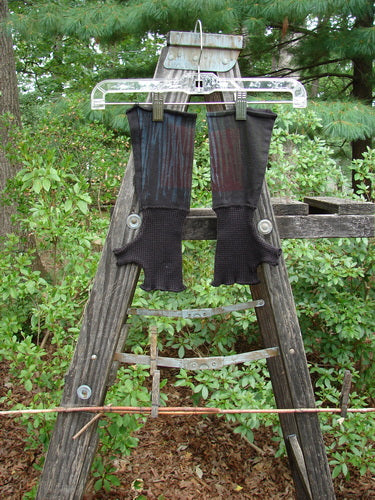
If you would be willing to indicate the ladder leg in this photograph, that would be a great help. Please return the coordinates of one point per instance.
(68, 461)
(290, 377)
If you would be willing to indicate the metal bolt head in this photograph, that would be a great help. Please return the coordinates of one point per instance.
(84, 392)
(134, 221)
(265, 226)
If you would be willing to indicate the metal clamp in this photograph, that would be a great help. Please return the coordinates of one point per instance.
(241, 105)
(157, 107)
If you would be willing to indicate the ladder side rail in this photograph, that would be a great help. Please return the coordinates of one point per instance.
(292, 387)
(68, 461)
(279, 326)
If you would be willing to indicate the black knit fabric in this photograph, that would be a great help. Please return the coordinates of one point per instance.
(157, 249)
(239, 249)
(163, 160)
(239, 154)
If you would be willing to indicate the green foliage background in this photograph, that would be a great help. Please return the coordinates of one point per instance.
(73, 161)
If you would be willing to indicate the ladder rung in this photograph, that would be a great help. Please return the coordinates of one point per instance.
(210, 363)
(196, 313)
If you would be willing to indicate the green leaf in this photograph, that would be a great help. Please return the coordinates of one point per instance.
(82, 205)
(68, 205)
(37, 186)
(46, 184)
(204, 392)
(181, 351)
(98, 484)
(336, 471)
(28, 385)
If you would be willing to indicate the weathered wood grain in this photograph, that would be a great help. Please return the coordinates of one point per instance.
(286, 206)
(290, 377)
(325, 226)
(201, 225)
(342, 206)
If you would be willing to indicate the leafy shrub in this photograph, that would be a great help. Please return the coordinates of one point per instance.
(301, 162)
(364, 174)
(71, 169)
(332, 286)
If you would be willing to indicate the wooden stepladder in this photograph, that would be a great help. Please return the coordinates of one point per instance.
(104, 329)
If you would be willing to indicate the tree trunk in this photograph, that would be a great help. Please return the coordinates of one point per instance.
(9, 116)
(362, 89)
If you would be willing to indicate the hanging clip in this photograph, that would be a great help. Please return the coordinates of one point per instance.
(241, 104)
(157, 106)
(154, 372)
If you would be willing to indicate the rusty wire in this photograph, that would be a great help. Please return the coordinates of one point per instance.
(179, 410)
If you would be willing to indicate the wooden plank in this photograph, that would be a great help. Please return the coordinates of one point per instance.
(290, 377)
(326, 226)
(342, 206)
(286, 206)
(201, 225)
(68, 461)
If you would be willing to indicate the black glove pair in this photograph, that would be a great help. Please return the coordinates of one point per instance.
(163, 159)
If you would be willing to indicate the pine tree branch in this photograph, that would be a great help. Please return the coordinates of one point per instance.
(288, 71)
(296, 29)
(322, 75)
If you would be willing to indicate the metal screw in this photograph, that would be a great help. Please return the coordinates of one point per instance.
(134, 221)
(84, 392)
(265, 226)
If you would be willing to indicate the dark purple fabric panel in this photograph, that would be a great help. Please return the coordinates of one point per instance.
(239, 155)
(163, 157)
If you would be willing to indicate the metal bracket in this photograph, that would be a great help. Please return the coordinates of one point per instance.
(215, 52)
(209, 363)
(196, 313)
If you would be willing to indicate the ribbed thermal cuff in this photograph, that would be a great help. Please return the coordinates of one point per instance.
(239, 248)
(157, 249)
